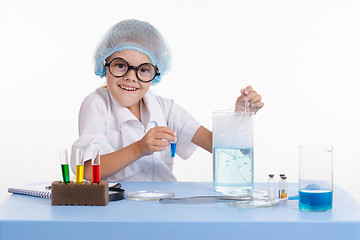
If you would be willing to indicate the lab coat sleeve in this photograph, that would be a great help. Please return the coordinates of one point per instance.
(92, 122)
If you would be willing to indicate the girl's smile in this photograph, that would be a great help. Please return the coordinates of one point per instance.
(128, 88)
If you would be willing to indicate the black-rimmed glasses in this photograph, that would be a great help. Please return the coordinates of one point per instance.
(145, 72)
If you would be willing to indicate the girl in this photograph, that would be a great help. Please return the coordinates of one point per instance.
(126, 122)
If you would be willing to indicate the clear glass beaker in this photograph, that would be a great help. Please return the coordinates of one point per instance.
(315, 177)
(233, 154)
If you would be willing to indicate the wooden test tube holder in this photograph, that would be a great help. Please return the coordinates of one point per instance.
(80, 194)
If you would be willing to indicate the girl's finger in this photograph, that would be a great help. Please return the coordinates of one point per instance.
(242, 92)
(158, 149)
(257, 98)
(161, 143)
(250, 96)
(240, 101)
(162, 132)
(163, 129)
(257, 105)
(247, 90)
(164, 135)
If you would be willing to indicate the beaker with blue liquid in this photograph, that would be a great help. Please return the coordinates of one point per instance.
(315, 177)
(233, 152)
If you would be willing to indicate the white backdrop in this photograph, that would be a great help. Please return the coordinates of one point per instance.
(301, 56)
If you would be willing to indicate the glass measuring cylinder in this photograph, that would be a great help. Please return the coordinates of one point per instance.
(233, 154)
(315, 177)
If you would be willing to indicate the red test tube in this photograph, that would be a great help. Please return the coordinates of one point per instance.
(95, 161)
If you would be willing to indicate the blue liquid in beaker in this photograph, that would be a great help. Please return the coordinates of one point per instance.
(173, 149)
(233, 169)
(315, 200)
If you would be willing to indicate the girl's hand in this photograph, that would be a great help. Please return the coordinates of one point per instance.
(155, 140)
(251, 96)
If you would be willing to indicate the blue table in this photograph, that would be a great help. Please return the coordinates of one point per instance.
(24, 217)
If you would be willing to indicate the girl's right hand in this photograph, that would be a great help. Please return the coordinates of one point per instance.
(155, 140)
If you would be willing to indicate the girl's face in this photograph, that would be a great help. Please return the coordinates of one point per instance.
(128, 90)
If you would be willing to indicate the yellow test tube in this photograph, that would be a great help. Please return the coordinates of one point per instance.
(79, 171)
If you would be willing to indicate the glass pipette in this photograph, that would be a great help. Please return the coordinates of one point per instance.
(246, 104)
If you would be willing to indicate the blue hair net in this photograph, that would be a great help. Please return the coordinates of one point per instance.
(133, 35)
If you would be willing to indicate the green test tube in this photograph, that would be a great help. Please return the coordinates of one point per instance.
(64, 165)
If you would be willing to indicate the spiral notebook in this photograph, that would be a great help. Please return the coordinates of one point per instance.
(33, 190)
(40, 190)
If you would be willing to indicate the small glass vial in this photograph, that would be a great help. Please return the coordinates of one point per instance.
(271, 187)
(283, 188)
(278, 185)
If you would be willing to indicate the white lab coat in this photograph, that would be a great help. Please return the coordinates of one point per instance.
(106, 125)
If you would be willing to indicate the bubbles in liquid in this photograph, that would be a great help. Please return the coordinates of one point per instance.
(233, 131)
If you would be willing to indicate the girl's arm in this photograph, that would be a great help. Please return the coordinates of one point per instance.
(203, 138)
(114, 162)
(156, 139)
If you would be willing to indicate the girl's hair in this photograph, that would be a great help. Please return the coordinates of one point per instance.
(135, 35)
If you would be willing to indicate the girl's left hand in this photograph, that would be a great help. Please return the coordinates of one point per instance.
(251, 96)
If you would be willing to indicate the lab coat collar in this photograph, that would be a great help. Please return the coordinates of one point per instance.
(122, 113)
(157, 116)
(156, 110)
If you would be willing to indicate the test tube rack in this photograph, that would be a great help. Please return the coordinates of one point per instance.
(80, 194)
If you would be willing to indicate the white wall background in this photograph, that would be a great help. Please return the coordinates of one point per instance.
(301, 56)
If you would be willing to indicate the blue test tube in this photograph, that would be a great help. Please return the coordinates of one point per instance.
(174, 125)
